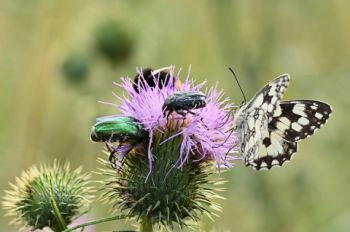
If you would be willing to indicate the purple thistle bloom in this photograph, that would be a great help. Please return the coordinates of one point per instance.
(205, 134)
(188, 127)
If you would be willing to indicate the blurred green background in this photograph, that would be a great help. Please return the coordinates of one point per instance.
(57, 58)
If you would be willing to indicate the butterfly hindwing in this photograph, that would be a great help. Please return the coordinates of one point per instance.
(274, 151)
(252, 129)
(261, 147)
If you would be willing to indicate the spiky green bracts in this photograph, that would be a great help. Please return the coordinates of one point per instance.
(48, 196)
(169, 195)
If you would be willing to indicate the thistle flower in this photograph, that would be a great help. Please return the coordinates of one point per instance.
(166, 179)
(48, 196)
(207, 131)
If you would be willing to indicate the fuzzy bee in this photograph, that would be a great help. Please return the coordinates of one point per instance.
(160, 77)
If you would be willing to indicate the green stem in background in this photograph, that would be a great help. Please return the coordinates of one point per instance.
(146, 225)
(96, 222)
(56, 210)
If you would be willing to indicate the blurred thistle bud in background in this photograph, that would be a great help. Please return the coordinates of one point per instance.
(76, 67)
(166, 178)
(48, 196)
(113, 42)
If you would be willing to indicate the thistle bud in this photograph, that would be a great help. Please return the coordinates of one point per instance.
(48, 196)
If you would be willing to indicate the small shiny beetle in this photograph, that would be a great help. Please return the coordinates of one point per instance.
(183, 102)
(120, 129)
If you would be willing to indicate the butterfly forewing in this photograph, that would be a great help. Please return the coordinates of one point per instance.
(299, 119)
(268, 97)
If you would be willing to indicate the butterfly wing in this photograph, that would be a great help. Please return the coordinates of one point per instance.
(287, 123)
(299, 119)
(261, 147)
(253, 118)
(251, 129)
(291, 122)
(273, 151)
(268, 98)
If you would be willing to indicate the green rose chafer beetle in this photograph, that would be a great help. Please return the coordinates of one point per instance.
(124, 130)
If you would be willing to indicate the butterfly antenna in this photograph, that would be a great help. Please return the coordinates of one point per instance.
(245, 100)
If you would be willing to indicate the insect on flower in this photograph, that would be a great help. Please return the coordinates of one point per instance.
(153, 78)
(183, 102)
(269, 129)
(124, 130)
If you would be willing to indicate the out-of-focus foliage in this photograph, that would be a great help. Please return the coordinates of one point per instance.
(42, 118)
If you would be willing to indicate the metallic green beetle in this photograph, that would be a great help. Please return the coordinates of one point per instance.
(117, 129)
(125, 130)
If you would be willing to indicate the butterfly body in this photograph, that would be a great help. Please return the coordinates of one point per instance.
(269, 129)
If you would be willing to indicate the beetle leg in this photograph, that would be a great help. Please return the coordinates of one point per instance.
(169, 112)
(110, 139)
(191, 112)
(165, 111)
(109, 147)
(112, 160)
(181, 112)
(111, 157)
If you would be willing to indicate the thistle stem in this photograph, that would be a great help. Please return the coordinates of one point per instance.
(96, 222)
(55, 209)
(146, 225)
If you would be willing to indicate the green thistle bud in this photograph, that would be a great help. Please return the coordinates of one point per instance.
(76, 68)
(48, 196)
(113, 42)
(170, 195)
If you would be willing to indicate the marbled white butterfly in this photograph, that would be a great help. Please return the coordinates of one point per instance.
(269, 129)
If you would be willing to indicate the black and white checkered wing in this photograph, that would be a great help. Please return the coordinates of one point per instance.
(291, 122)
(268, 98)
(252, 119)
(270, 129)
(252, 127)
(299, 119)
